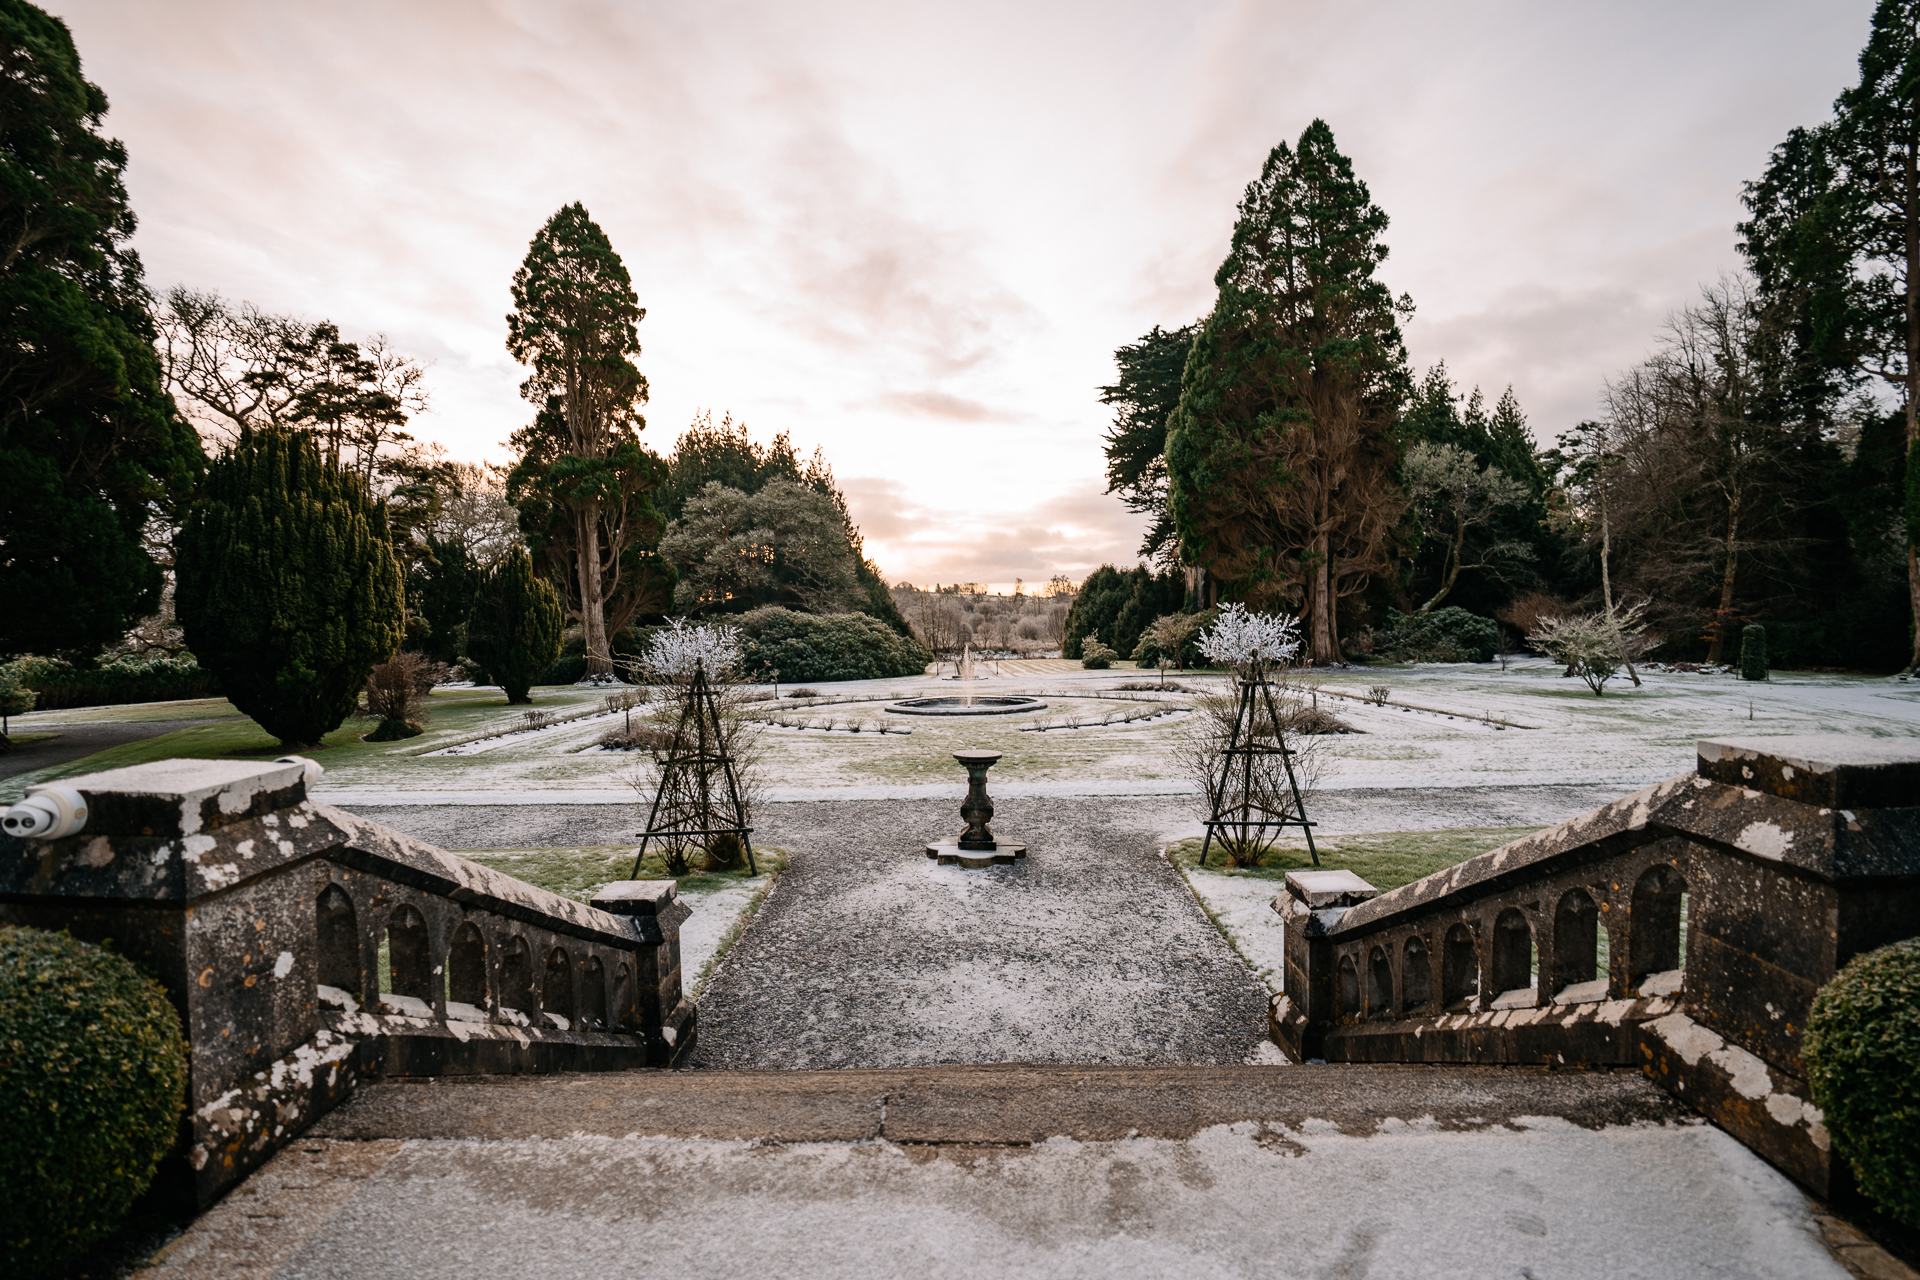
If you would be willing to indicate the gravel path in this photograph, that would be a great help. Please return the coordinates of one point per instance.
(869, 955)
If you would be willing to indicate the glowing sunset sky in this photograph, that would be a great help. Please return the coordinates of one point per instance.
(914, 233)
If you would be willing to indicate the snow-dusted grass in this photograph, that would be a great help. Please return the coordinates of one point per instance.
(1627, 739)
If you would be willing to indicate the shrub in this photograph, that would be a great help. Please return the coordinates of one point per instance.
(16, 699)
(57, 684)
(1753, 652)
(1095, 656)
(514, 628)
(1445, 635)
(1863, 1063)
(285, 584)
(1593, 647)
(808, 647)
(93, 1075)
(396, 695)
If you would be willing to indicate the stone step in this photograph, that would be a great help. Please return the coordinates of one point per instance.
(992, 1105)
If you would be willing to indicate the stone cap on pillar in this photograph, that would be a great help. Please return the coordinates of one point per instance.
(1318, 889)
(173, 798)
(1833, 770)
(636, 897)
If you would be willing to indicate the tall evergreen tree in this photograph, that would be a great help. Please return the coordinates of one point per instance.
(90, 446)
(514, 629)
(1281, 454)
(1143, 398)
(1834, 239)
(285, 583)
(575, 323)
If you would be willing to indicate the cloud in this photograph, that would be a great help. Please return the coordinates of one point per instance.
(1072, 531)
(914, 235)
(938, 404)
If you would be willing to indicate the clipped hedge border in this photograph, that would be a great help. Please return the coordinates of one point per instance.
(1863, 1064)
(93, 1075)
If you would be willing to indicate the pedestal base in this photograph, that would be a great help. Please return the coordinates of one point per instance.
(949, 853)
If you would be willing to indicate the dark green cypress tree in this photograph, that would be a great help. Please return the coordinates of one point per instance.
(514, 630)
(287, 589)
(90, 446)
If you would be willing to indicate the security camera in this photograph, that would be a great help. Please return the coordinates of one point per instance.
(46, 814)
(310, 769)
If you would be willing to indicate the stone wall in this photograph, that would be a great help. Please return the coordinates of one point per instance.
(270, 920)
(1724, 898)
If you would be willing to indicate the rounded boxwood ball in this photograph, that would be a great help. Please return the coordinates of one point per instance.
(93, 1074)
(1863, 1063)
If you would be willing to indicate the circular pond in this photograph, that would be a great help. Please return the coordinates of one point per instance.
(977, 706)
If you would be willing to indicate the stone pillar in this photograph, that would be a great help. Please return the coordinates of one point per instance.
(659, 1004)
(172, 867)
(1313, 904)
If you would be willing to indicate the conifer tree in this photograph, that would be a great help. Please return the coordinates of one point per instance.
(90, 447)
(286, 587)
(1834, 241)
(1281, 454)
(583, 476)
(514, 630)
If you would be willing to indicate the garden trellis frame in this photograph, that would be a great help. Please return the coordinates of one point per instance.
(693, 757)
(1245, 753)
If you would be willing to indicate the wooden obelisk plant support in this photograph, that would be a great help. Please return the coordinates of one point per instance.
(1247, 802)
(698, 798)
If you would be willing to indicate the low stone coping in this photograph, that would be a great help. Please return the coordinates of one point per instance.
(1837, 770)
(1318, 889)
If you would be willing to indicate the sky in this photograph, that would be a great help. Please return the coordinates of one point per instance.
(913, 234)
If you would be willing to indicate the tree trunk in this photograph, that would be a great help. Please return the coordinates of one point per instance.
(1321, 650)
(1718, 647)
(1913, 388)
(593, 614)
(1452, 575)
(1606, 550)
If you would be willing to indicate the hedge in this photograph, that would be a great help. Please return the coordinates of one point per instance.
(808, 647)
(60, 684)
(93, 1075)
(1445, 635)
(1863, 1064)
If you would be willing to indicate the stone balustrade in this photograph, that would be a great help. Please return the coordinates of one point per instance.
(1683, 930)
(306, 949)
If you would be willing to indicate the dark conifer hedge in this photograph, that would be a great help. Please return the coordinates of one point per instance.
(287, 589)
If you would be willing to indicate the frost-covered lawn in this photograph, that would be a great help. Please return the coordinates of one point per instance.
(1425, 736)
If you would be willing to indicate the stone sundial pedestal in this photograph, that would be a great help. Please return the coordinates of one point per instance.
(976, 847)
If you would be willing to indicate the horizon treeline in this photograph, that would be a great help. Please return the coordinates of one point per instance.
(1753, 468)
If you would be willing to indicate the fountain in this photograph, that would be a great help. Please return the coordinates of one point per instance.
(970, 704)
(975, 847)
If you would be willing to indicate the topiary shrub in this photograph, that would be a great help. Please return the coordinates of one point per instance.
(1863, 1063)
(514, 628)
(1095, 656)
(1753, 652)
(93, 1075)
(285, 583)
(807, 647)
(1445, 635)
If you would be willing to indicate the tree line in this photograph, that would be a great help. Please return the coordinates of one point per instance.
(252, 474)
(1752, 468)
